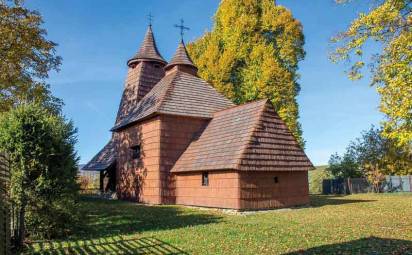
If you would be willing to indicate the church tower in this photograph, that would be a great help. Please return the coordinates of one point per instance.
(145, 70)
(181, 61)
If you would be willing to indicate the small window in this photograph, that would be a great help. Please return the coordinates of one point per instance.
(205, 179)
(275, 179)
(136, 152)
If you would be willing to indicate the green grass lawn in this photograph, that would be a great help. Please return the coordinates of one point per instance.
(355, 224)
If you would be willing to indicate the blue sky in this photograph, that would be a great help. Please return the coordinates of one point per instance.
(97, 37)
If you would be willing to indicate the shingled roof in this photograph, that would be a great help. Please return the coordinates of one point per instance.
(178, 93)
(104, 159)
(148, 50)
(249, 137)
(181, 57)
(139, 82)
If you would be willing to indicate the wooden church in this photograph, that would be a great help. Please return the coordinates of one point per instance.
(176, 140)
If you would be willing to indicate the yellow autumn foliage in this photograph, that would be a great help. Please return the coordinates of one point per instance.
(252, 53)
(389, 23)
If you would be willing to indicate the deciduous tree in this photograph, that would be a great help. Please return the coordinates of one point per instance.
(389, 24)
(253, 52)
(373, 156)
(26, 58)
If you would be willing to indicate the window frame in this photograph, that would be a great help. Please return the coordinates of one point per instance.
(205, 179)
(136, 152)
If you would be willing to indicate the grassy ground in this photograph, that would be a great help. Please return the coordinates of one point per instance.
(355, 224)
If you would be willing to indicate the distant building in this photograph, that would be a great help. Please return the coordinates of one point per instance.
(176, 140)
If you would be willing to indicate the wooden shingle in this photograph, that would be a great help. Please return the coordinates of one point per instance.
(104, 159)
(148, 50)
(178, 93)
(181, 57)
(248, 137)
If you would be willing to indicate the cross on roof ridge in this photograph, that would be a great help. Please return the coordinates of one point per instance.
(182, 27)
(150, 18)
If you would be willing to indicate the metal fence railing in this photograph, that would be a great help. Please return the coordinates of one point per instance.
(361, 185)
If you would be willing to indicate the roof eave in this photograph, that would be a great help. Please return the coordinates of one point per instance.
(202, 170)
(126, 125)
(98, 169)
(138, 60)
(157, 113)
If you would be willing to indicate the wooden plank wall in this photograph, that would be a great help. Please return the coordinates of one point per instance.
(4, 212)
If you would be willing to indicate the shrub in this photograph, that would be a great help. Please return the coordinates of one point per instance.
(43, 187)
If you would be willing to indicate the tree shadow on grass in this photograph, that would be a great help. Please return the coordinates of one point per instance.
(104, 218)
(322, 200)
(370, 245)
(114, 246)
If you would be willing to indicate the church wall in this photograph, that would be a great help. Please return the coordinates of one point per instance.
(176, 135)
(139, 179)
(151, 74)
(243, 190)
(222, 191)
(259, 190)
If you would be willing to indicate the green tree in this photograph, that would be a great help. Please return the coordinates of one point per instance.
(345, 166)
(389, 24)
(40, 145)
(375, 152)
(26, 56)
(253, 52)
(373, 156)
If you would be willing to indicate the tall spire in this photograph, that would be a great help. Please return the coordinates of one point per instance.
(182, 59)
(148, 50)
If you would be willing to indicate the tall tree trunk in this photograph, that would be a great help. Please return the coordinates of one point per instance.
(21, 223)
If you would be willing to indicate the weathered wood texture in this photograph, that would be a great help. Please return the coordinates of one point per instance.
(176, 135)
(162, 140)
(243, 190)
(139, 81)
(4, 211)
(265, 190)
(222, 191)
(139, 179)
(249, 137)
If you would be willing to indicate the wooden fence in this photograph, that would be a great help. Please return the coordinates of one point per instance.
(361, 185)
(4, 207)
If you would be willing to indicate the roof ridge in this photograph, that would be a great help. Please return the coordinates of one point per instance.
(251, 132)
(241, 105)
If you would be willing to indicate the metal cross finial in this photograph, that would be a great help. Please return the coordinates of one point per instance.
(182, 28)
(150, 18)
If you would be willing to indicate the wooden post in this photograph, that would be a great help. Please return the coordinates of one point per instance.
(410, 183)
(101, 181)
(349, 182)
(5, 248)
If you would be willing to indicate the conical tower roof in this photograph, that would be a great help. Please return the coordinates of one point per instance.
(148, 50)
(181, 57)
